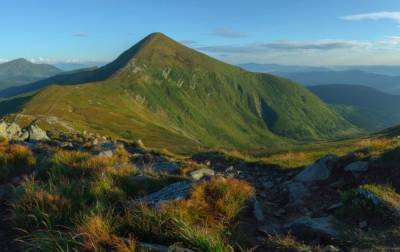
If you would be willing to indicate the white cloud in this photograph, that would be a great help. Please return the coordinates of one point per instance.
(321, 45)
(318, 52)
(388, 15)
(390, 41)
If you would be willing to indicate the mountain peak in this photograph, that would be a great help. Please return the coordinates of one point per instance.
(19, 61)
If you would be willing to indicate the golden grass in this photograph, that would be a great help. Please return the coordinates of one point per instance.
(213, 203)
(97, 234)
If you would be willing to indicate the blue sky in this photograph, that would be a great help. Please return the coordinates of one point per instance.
(309, 32)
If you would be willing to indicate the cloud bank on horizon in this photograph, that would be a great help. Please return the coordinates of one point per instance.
(389, 15)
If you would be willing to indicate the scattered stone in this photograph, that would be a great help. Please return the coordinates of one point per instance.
(268, 185)
(363, 225)
(95, 141)
(106, 153)
(199, 174)
(330, 248)
(320, 170)
(359, 166)
(270, 229)
(37, 134)
(161, 248)
(66, 145)
(229, 169)
(257, 210)
(297, 192)
(166, 167)
(335, 206)
(280, 212)
(173, 192)
(311, 228)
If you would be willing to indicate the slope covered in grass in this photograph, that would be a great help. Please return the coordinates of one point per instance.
(174, 97)
(365, 107)
(20, 72)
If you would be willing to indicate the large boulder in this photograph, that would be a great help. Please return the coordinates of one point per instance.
(173, 192)
(313, 228)
(166, 167)
(199, 174)
(37, 134)
(297, 192)
(358, 166)
(320, 170)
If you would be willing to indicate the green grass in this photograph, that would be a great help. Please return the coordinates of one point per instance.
(173, 97)
(80, 201)
(357, 208)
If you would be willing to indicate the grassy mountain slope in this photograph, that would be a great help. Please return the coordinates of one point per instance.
(365, 107)
(20, 71)
(171, 96)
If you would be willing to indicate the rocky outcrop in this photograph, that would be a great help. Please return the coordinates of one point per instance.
(320, 170)
(13, 132)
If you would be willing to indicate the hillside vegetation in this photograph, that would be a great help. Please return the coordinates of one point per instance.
(173, 97)
(21, 72)
(365, 107)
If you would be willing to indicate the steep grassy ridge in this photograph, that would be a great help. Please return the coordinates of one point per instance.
(171, 96)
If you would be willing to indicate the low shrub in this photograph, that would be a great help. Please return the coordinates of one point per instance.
(376, 204)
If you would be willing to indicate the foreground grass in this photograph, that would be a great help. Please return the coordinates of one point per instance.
(299, 156)
(14, 159)
(79, 201)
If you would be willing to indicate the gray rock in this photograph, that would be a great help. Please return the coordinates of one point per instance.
(335, 206)
(106, 153)
(199, 174)
(173, 192)
(37, 134)
(257, 210)
(320, 170)
(268, 185)
(162, 248)
(280, 212)
(310, 228)
(359, 166)
(166, 167)
(330, 248)
(297, 192)
(363, 224)
(67, 145)
(270, 229)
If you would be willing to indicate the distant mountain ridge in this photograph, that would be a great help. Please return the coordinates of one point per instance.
(389, 84)
(384, 78)
(365, 107)
(388, 70)
(171, 96)
(21, 71)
